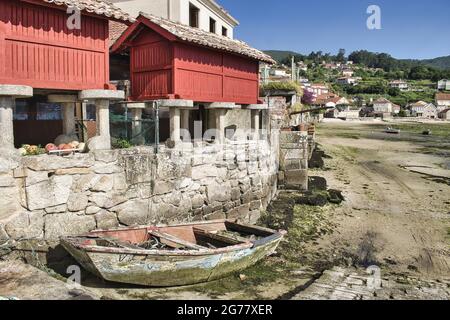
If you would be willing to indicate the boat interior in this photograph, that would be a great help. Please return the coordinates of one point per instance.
(199, 236)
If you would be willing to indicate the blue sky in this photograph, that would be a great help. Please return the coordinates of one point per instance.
(410, 28)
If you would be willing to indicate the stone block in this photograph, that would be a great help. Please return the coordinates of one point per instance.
(104, 184)
(106, 220)
(50, 193)
(77, 202)
(218, 192)
(238, 212)
(135, 212)
(107, 201)
(52, 163)
(197, 201)
(71, 223)
(26, 225)
(106, 156)
(57, 209)
(6, 180)
(163, 187)
(92, 210)
(204, 171)
(296, 179)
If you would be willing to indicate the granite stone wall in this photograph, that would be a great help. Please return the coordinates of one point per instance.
(46, 197)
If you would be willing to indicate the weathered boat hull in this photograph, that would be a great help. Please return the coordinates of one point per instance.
(170, 270)
(125, 262)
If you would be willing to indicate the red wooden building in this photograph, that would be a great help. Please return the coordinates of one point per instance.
(174, 61)
(39, 50)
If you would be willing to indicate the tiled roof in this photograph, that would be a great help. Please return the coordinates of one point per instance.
(442, 96)
(115, 31)
(382, 100)
(208, 39)
(99, 7)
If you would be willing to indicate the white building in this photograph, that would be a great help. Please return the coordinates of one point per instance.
(319, 89)
(423, 110)
(400, 84)
(444, 85)
(442, 101)
(207, 15)
(347, 81)
(382, 106)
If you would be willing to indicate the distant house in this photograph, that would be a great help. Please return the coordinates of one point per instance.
(278, 72)
(423, 110)
(442, 101)
(444, 114)
(399, 84)
(319, 89)
(383, 106)
(444, 85)
(347, 72)
(349, 81)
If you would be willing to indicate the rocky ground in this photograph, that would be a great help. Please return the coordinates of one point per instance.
(389, 239)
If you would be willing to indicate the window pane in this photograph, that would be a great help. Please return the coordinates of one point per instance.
(48, 111)
(21, 110)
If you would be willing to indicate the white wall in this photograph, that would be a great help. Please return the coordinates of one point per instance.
(178, 11)
(205, 14)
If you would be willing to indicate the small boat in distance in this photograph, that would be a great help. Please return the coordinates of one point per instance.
(392, 130)
(427, 132)
(163, 256)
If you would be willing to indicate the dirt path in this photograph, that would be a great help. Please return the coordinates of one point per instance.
(393, 218)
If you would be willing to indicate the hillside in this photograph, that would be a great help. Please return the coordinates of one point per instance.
(280, 55)
(442, 63)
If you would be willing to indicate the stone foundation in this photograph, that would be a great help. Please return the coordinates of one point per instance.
(51, 196)
(294, 158)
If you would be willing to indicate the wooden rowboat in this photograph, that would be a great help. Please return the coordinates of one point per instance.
(161, 256)
(392, 130)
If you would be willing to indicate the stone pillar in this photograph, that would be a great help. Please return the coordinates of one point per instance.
(256, 110)
(102, 118)
(176, 108)
(136, 126)
(175, 123)
(185, 119)
(67, 103)
(101, 100)
(254, 119)
(220, 124)
(8, 95)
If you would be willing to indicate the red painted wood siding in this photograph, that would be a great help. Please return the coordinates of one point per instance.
(207, 75)
(162, 69)
(37, 49)
(151, 67)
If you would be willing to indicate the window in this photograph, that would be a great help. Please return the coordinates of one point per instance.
(212, 25)
(224, 32)
(193, 15)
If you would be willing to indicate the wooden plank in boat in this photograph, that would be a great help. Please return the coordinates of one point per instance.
(176, 240)
(219, 237)
(249, 229)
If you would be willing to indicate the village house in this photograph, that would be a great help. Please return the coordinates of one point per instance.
(346, 72)
(319, 89)
(348, 81)
(444, 114)
(444, 84)
(421, 109)
(384, 107)
(206, 15)
(442, 101)
(399, 84)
